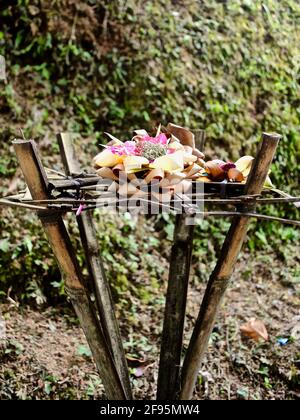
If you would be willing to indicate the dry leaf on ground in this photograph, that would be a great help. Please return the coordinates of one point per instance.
(255, 329)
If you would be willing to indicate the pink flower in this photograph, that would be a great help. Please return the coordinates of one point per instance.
(125, 149)
(80, 209)
(160, 139)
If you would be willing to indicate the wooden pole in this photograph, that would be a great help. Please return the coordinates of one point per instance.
(173, 326)
(98, 280)
(171, 342)
(220, 277)
(60, 242)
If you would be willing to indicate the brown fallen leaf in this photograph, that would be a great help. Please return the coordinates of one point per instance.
(255, 329)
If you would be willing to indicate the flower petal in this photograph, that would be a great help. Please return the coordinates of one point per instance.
(160, 139)
(141, 132)
(268, 183)
(244, 164)
(106, 173)
(107, 158)
(154, 174)
(197, 153)
(192, 170)
(175, 145)
(134, 163)
(169, 163)
(189, 158)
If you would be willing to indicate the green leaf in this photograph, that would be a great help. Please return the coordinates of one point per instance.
(169, 229)
(28, 244)
(47, 388)
(146, 116)
(4, 245)
(84, 351)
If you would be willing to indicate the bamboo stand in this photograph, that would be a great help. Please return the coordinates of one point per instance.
(98, 321)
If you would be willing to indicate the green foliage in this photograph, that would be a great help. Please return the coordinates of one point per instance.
(24, 251)
(231, 68)
(88, 67)
(84, 351)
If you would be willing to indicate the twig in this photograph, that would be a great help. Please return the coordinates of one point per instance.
(92, 204)
(22, 133)
(56, 172)
(249, 214)
(10, 203)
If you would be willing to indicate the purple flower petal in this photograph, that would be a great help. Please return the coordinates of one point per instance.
(79, 210)
(226, 166)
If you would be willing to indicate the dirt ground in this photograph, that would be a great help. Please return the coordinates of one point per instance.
(44, 354)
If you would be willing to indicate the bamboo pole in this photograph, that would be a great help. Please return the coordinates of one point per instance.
(59, 239)
(173, 326)
(220, 277)
(97, 276)
(171, 341)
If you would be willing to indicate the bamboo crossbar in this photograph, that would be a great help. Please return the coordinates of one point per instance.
(11, 203)
(62, 205)
(233, 201)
